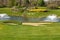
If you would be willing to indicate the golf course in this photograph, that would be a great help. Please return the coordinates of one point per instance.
(28, 32)
(29, 19)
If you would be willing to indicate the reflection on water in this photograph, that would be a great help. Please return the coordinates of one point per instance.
(49, 18)
(17, 18)
(22, 19)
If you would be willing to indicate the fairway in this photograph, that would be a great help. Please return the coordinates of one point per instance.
(22, 32)
(29, 19)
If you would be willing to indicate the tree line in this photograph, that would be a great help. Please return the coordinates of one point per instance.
(10, 3)
(32, 3)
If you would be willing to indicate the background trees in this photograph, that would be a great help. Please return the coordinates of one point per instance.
(52, 4)
(21, 2)
(32, 3)
(41, 3)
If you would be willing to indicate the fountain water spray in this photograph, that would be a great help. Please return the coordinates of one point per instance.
(4, 16)
(51, 18)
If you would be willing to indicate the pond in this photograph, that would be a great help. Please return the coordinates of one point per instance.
(23, 19)
(49, 18)
(17, 18)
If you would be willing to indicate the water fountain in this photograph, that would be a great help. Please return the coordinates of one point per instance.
(51, 18)
(4, 17)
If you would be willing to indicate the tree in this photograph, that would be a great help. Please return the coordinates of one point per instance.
(52, 6)
(3, 3)
(41, 2)
(12, 3)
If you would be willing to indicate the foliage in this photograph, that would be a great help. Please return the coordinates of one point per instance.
(13, 21)
(41, 2)
(52, 6)
(11, 3)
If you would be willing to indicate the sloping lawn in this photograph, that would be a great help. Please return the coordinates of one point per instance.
(9, 11)
(21, 32)
(43, 14)
(31, 14)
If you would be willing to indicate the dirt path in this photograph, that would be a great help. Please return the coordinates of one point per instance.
(35, 24)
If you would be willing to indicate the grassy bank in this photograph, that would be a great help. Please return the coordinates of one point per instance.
(42, 14)
(24, 32)
(9, 11)
(21, 32)
(31, 14)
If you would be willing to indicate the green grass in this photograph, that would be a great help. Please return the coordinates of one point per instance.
(22, 32)
(9, 12)
(31, 14)
(42, 14)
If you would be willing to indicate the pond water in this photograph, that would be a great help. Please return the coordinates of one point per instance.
(23, 19)
(17, 18)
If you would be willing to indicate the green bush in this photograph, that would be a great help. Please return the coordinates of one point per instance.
(52, 6)
(13, 21)
(41, 2)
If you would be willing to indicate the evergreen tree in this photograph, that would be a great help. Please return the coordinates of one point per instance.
(41, 2)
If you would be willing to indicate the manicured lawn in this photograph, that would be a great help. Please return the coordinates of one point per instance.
(31, 14)
(21, 32)
(9, 11)
(42, 14)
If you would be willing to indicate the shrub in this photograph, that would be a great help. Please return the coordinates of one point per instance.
(41, 2)
(52, 6)
(12, 21)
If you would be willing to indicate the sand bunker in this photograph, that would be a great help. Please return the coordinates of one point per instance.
(35, 24)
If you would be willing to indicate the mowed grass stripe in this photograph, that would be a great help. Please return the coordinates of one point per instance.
(22, 32)
(30, 31)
